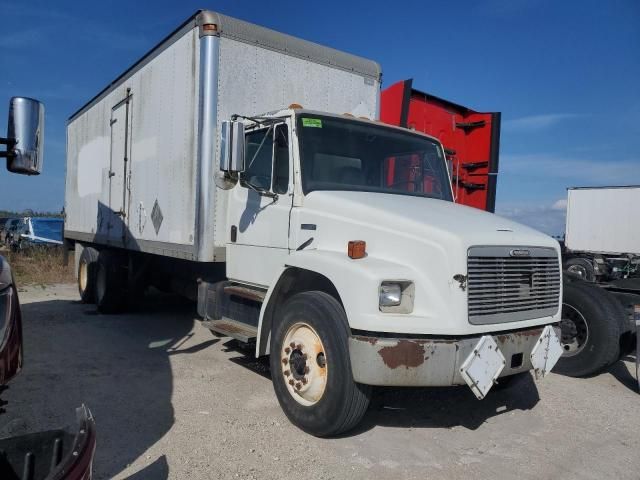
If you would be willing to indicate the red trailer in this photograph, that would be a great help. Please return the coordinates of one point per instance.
(471, 139)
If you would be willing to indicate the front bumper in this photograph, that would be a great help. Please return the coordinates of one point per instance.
(433, 362)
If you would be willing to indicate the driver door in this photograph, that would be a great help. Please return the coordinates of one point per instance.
(259, 208)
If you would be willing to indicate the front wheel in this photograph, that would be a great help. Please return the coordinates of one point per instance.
(310, 366)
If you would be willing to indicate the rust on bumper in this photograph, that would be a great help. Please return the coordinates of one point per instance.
(430, 362)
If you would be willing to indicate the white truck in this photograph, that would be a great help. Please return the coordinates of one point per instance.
(326, 239)
(601, 258)
(602, 235)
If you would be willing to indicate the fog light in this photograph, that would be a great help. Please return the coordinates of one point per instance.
(390, 294)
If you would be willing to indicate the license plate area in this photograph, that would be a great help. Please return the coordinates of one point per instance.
(483, 365)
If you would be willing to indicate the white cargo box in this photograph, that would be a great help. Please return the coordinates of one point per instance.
(142, 154)
(603, 220)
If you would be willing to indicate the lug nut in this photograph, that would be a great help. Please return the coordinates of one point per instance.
(304, 356)
(287, 350)
(299, 347)
(285, 361)
(291, 382)
(287, 373)
(304, 380)
(292, 345)
(298, 386)
(306, 370)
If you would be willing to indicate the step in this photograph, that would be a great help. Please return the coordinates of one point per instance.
(231, 328)
(245, 292)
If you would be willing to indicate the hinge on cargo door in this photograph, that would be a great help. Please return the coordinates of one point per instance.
(466, 126)
(474, 165)
(468, 185)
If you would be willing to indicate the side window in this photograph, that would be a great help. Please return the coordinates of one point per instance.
(281, 160)
(258, 154)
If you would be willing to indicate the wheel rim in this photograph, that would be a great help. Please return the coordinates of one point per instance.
(575, 331)
(82, 276)
(578, 270)
(304, 364)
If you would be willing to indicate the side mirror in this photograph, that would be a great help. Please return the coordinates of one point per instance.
(25, 136)
(232, 147)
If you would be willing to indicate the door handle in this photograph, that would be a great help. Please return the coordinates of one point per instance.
(234, 233)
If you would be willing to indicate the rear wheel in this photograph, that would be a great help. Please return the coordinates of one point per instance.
(111, 281)
(311, 369)
(581, 267)
(87, 270)
(591, 327)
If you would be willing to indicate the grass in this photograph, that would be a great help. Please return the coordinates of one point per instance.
(39, 266)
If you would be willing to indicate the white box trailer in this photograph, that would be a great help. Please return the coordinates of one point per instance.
(603, 219)
(141, 155)
(329, 241)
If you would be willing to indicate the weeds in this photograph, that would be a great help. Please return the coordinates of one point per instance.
(39, 266)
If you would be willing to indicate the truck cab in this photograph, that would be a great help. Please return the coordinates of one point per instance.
(346, 224)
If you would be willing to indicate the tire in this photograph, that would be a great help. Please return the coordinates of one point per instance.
(111, 280)
(598, 319)
(329, 402)
(581, 267)
(87, 271)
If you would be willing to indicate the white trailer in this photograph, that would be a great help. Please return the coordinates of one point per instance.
(328, 240)
(602, 236)
(601, 257)
(603, 220)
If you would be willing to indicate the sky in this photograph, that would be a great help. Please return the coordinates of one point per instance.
(563, 74)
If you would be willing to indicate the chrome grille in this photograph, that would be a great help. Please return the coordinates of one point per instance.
(505, 288)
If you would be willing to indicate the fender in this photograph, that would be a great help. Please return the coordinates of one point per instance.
(356, 281)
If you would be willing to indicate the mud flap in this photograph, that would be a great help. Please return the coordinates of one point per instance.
(546, 352)
(483, 366)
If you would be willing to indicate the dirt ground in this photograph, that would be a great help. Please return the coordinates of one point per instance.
(172, 401)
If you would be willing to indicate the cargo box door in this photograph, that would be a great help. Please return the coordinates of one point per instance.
(471, 139)
(119, 172)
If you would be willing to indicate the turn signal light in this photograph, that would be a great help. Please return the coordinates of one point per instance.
(357, 249)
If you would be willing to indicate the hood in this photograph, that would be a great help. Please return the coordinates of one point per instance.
(426, 217)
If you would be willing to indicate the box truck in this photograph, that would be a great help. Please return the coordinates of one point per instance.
(602, 236)
(598, 324)
(318, 235)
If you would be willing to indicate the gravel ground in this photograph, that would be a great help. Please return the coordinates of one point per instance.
(172, 401)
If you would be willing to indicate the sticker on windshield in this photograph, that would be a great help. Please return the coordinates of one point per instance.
(312, 122)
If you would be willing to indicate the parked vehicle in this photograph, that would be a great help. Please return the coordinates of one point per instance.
(55, 454)
(11, 227)
(602, 240)
(598, 320)
(36, 232)
(329, 241)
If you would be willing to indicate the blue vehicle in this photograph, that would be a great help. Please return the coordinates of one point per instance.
(37, 231)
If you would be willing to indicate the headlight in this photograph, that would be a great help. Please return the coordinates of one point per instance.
(396, 296)
(390, 294)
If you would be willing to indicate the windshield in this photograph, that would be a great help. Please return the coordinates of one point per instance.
(340, 154)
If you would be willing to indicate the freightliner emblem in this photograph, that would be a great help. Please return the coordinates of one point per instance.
(520, 253)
